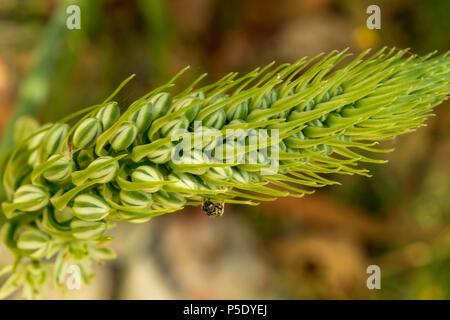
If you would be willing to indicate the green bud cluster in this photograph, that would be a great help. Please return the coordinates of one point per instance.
(66, 186)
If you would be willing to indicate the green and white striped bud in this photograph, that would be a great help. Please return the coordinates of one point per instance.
(185, 181)
(175, 127)
(124, 136)
(90, 207)
(30, 198)
(59, 170)
(55, 137)
(106, 173)
(160, 104)
(218, 118)
(87, 230)
(261, 104)
(138, 199)
(193, 157)
(215, 120)
(108, 115)
(218, 174)
(147, 174)
(143, 117)
(161, 155)
(233, 150)
(163, 199)
(191, 99)
(237, 112)
(86, 134)
(34, 242)
(133, 219)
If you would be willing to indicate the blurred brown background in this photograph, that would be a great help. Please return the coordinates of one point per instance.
(315, 247)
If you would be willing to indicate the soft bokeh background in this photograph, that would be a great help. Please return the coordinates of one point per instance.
(315, 247)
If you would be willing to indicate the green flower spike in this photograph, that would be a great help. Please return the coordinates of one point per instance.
(276, 131)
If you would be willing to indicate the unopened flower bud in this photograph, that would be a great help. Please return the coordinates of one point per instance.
(59, 170)
(143, 117)
(175, 127)
(87, 230)
(191, 99)
(238, 112)
(90, 207)
(30, 197)
(192, 157)
(160, 104)
(218, 174)
(217, 118)
(147, 174)
(138, 198)
(86, 133)
(108, 115)
(162, 154)
(34, 242)
(104, 174)
(55, 137)
(263, 103)
(124, 136)
(185, 181)
(164, 199)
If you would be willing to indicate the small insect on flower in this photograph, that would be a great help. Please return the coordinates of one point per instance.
(213, 209)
